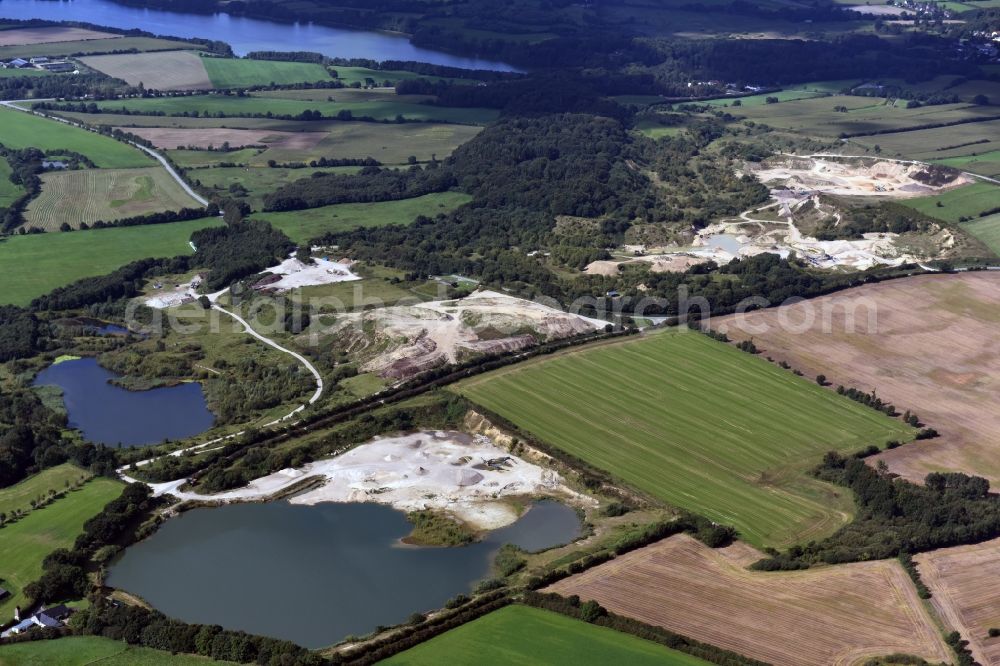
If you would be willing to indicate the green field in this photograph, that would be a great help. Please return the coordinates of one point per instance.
(93, 46)
(36, 264)
(985, 163)
(11, 73)
(937, 143)
(9, 192)
(525, 635)
(89, 195)
(242, 73)
(257, 180)
(303, 225)
(986, 229)
(202, 158)
(817, 117)
(19, 496)
(259, 103)
(654, 130)
(25, 543)
(361, 74)
(761, 100)
(697, 424)
(22, 130)
(963, 202)
(84, 650)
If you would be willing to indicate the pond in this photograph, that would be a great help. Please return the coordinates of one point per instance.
(243, 34)
(313, 574)
(108, 414)
(725, 242)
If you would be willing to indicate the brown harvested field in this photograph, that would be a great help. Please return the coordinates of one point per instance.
(930, 346)
(840, 615)
(165, 70)
(21, 36)
(171, 138)
(965, 584)
(388, 143)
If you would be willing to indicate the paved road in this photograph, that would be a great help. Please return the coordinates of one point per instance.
(13, 104)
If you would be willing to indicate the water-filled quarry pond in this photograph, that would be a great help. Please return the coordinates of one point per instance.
(313, 574)
(109, 414)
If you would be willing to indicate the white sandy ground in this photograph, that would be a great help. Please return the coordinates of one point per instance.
(294, 274)
(425, 470)
(438, 332)
(800, 180)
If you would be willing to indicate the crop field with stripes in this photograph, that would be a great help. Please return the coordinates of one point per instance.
(90, 195)
(697, 424)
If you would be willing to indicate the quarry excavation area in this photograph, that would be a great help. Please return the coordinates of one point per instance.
(926, 343)
(289, 274)
(851, 177)
(797, 185)
(466, 476)
(401, 341)
(838, 615)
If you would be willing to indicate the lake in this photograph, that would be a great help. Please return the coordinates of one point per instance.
(108, 414)
(243, 34)
(313, 574)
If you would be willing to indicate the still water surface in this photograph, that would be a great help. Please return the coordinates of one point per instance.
(313, 574)
(243, 34)
(108, 414)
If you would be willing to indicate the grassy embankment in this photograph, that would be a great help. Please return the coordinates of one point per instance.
(696, 424)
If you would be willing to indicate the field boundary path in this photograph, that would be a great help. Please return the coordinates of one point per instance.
(13, 104)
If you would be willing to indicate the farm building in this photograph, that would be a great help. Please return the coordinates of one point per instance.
(57, 67)
(17, 63)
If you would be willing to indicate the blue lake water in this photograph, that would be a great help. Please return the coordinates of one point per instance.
(108, 414)
(313, 574)
(243, 34)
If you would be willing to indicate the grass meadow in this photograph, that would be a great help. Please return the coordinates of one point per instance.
(26, 542)
(303, 225)
(243, 73)
(84, 650)
(984, 163)
(35, 264)
(986, 229)
(19, 496)
(963, 202)
(9, 192)
(817, 117)
(258, 181)
(524, 635)
(22, 130)
(697, 424)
